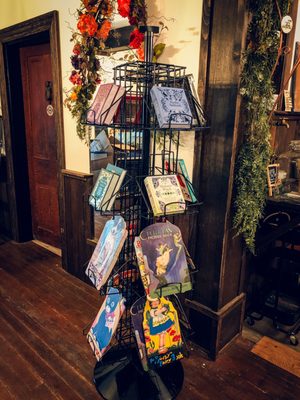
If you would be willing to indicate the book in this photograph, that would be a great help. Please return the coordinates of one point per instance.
(103, 189)
(120, 172)
(107, 251)
(105, 104)
(188, 187)
(149, 281)
(171, 107)
(164, 255)
(162, 334)
(137, 312)
(106, 322)
(165, 194)
(196, 105)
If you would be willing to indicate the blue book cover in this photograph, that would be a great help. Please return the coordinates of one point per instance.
(100, 188)
(164, 253)
(106, 322)
(107, 251)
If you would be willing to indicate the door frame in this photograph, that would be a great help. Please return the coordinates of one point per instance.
(41, 29)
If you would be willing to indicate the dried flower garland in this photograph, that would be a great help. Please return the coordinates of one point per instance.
(94, 21)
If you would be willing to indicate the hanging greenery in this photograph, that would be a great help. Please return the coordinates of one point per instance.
(257, 91)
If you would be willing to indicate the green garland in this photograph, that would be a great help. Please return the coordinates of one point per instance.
(257, 91)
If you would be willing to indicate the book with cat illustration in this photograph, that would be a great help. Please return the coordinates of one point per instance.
(107, 251)
(164, 255)
(106, 322)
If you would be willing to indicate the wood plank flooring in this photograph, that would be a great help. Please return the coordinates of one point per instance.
(44, 355)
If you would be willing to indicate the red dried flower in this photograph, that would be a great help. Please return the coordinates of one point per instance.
(124, 8)
(77, 49)
(136, 39)
(140, 53)
(87, 24)
(75, 78)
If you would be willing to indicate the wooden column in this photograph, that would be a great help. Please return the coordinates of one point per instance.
(217, 307)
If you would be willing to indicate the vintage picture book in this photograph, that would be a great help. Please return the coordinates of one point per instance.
(162, 332)
(105, 104)
(103, 189)
(137, 313)
(165, 194)
(164, 255)
(171, 107)
(150, 282)
(106, 322)
(120, 172)
(107, 251)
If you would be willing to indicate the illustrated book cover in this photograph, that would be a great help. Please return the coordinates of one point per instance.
(165, 194)
(106, 322)
(105, 104)
(164, 254)
(137, 315)
(150, 282)
(162, 334)
(103, 189)
(107, 251)
(171, 107)
(120, 172)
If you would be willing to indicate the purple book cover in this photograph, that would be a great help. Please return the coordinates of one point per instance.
(163, 248)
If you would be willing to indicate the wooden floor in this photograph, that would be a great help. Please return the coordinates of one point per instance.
(44, 356)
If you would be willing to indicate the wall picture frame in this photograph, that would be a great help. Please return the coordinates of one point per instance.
(272, 177)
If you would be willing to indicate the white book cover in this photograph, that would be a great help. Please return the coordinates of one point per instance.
(171, 107)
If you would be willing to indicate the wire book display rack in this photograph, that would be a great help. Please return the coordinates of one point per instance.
(143, 149)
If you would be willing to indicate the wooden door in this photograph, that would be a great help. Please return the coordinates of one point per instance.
(40, 143)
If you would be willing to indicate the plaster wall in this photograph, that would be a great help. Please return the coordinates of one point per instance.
(182, 39)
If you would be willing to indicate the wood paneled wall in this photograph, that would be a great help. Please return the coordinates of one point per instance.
(78, 222)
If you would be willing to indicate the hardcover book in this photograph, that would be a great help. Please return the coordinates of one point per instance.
(164, 255)
(188, 187)
(162, 332)
(165, 194)
(103, 189)
(120, 172)
(106, 322)
(105, 104)
(107, 251)
(171, 107)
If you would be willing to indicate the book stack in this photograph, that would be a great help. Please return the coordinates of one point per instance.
(106, 188)
(171, 107)
(183, 179)
(105, 104)
(165, 194)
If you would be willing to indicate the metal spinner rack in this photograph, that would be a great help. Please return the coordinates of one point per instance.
(142, 148)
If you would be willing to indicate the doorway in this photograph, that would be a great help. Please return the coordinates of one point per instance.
(40, 136)
(30, 59)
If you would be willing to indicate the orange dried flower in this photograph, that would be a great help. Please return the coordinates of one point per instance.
(73, 96)
(140, 52)
(103, 32)
(87, 24)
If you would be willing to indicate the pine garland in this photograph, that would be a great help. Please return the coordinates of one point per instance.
(257, 91)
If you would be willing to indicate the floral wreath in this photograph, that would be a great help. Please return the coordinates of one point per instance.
(94, 22)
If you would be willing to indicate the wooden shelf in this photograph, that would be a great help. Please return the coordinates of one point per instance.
(290, 115)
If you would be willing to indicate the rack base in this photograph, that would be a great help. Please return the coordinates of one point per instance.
(120, 376)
